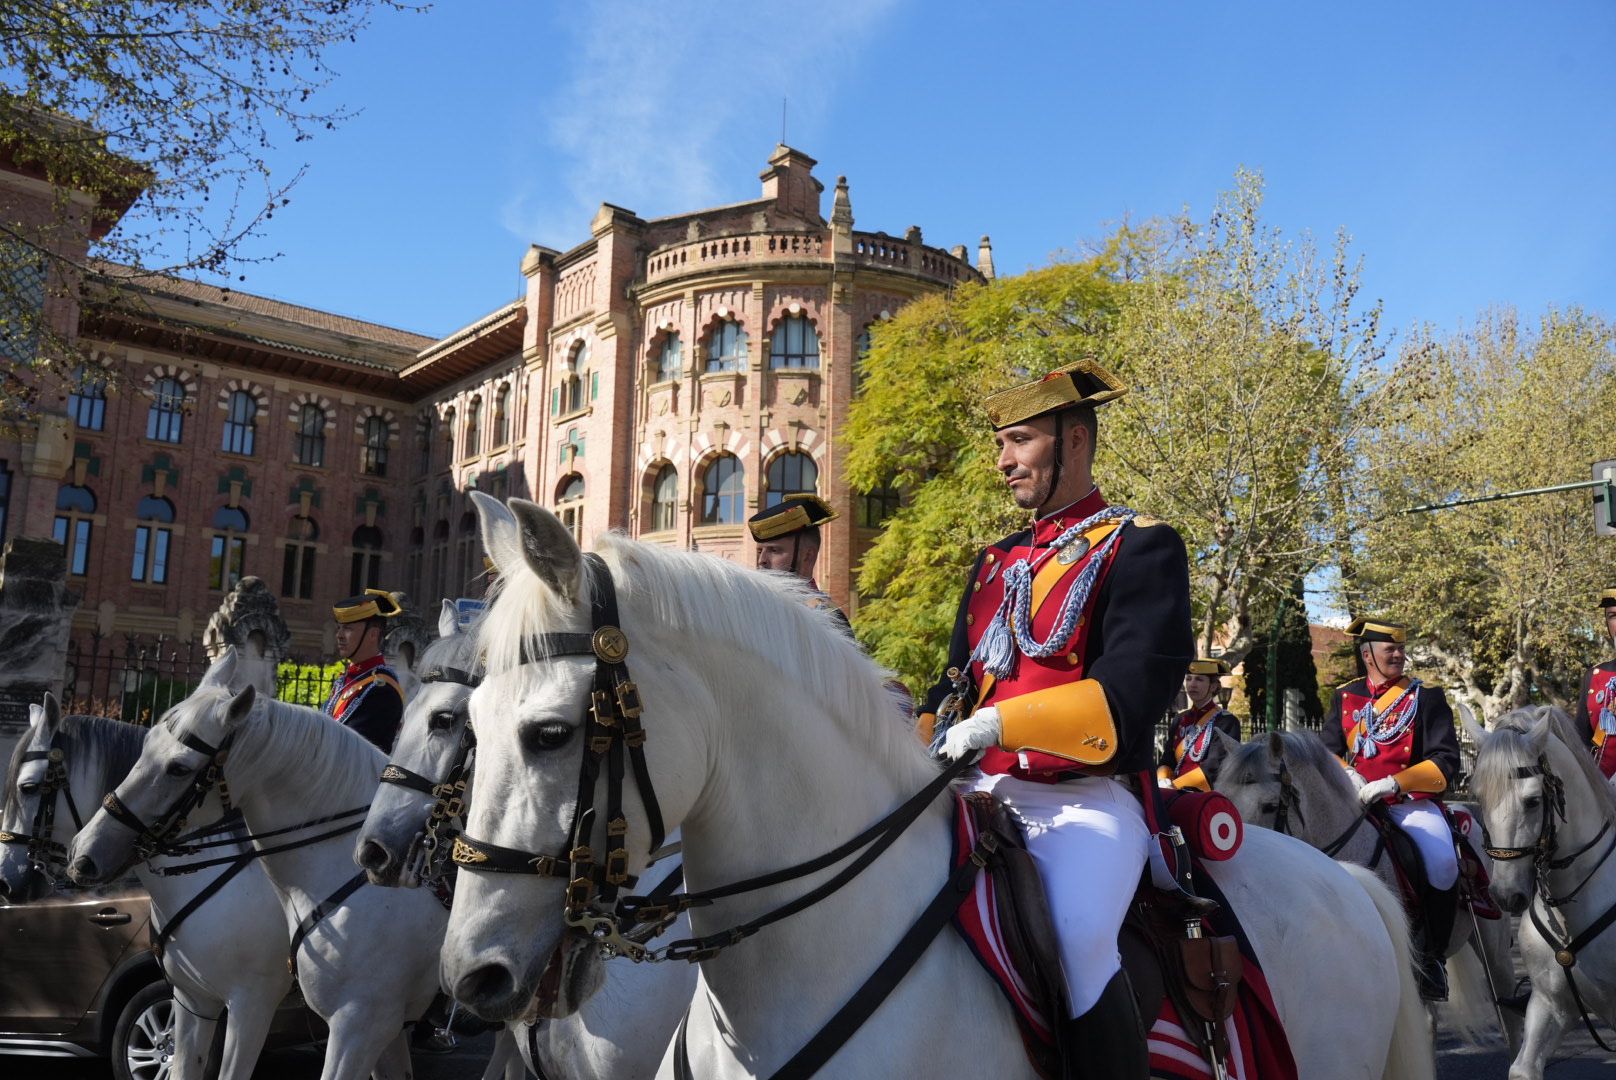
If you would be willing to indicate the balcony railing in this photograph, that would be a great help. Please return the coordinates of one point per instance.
(869, 249)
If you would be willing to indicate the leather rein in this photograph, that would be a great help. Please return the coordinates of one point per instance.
(44, 853)
(1290, 801)
(448, 794)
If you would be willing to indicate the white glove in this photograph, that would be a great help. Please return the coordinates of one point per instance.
(1376, 790)
(1357, 779)
(1164, 783)
(981, 731)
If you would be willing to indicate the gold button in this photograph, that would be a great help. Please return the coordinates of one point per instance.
(991, 558)
(970, 620)
(976, 586)
(1071, 658)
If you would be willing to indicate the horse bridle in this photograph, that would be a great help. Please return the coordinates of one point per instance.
(151, 839)
(43, 852)
(613, 739)
(1542, 851)
(448, 794)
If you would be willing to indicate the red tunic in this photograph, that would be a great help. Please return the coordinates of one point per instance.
(1422, 717)
(1180, 756)
(1598, 712)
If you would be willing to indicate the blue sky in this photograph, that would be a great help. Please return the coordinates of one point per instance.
(1470, 149)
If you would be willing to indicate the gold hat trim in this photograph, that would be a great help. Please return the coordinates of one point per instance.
(1057, 390)
(369, 608)
(1359, 627)
(1607, 598)
(793, 519)
(1212, 666)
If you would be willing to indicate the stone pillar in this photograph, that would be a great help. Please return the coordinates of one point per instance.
(249, 619)
(408, 634)
(36, 615)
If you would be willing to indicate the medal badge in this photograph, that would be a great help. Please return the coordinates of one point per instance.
(1073, 551)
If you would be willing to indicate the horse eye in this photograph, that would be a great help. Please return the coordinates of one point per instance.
(179, 768)
(441, 720)
(550, 735)
(1531, 802)
(28, 789)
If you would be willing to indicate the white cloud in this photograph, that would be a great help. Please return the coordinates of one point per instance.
(666, 104)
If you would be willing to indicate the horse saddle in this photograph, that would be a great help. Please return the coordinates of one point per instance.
(1007, 924)
(1409, 866)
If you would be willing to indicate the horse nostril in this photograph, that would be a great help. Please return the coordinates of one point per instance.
(83, 869)
(373, 856)
(489, 983)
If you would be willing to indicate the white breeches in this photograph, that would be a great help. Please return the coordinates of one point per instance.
(1425, 825)
(1089, 841)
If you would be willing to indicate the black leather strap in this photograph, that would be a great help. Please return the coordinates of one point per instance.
(494, 859)
(407, 778)
(321, 911)
(208, 892)
(1566, 957)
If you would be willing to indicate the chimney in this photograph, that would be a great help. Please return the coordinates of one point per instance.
(789, 182)
(984, 257)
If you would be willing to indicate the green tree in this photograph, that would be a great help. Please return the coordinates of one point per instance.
(1499, 595)
(172, 107)
(1296, 677)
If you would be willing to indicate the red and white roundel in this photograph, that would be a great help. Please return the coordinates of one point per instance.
(1223, 831)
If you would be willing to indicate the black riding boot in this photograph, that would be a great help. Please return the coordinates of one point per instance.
(1108, 1041)
(1430, 940)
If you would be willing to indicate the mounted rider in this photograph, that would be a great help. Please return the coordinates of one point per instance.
(1396, 736)
(787, 536)
(1191, 753)
(1069, 644)
(366, 695)
(1596, 706)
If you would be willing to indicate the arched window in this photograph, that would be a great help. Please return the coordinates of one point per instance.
(670, 359)
(413, 561)
(861, 349)
(789, 474)
(165, 420)
(502, 419)
(723, 491)
(423, 443)
(878, 504)
(309, 447)
(449, 433)
(297, 565)
(152, 540)
(570, 504)
(726, 349)
(227, 554)
(366, 569)
(474, 428)
(87, 404)
(240, 423)
(576, 389)
(377, 431)
(794, 344)
(664, 499)
(74, 507)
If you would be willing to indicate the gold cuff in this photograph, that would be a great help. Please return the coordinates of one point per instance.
(1195, 778)
(1071, 721)
(926, 726)
(1424, 777)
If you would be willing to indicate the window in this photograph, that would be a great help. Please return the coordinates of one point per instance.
(726, 349)
(723, 491)
(297, 565)
(423, 443)
(228, 549)
(413, 561)
(240, 423)
(5, 499)
(795, 343)
(789, 474)
(20, 314)
(377, 431)
(440, 558)
(74, 505)
(366, 571)
(861, 349)
(877, 505)
(670, 359)
(468, 555)
(474, 432)
(575, 388)
(309, 447)
(152, 541)
(664, 499)
(165, 420)
(570, 504)
(502, 419)
(87, 404)
(449, 434)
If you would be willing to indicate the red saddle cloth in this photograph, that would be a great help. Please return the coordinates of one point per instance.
(1259, 1049)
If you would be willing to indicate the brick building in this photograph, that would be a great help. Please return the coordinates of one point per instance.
(667, 376)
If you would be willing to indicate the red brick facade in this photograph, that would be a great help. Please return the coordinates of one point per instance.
(667, 377)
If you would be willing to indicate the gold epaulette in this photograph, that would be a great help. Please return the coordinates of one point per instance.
(1144, 522)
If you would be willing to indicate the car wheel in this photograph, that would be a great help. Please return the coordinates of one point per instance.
(143, 1038)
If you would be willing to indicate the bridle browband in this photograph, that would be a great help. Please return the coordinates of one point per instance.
(613, 739)
(44, 853)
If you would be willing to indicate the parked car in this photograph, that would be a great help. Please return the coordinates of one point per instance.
(78, 979)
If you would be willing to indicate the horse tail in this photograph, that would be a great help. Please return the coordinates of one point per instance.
(1411, 1055)
(1469, 1014)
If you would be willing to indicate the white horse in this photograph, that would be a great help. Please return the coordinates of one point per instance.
(1551, 813)
(211, 962)
(769, 744)
(1293, 774)
(369, 966)
(618, 1033)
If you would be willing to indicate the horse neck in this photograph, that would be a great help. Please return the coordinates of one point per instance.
(1587, 813)
(1330, 812)
(280, 780)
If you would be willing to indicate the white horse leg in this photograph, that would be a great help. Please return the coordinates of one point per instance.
(194, 1024)
(504, 1052)
(1546, 1019)
(394, 1063)
(359, 1038)
(246, 1028)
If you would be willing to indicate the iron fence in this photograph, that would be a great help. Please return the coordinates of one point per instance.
(137, 678)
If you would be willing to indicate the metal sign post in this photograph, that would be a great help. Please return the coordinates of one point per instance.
(1603, 483)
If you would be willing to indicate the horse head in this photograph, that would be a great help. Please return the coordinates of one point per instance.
(22, 870)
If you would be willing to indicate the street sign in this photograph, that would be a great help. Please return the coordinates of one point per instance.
(466, 612)
(1605, 498)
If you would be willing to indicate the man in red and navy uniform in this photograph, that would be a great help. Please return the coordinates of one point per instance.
(787, 537)
(366, 695)
(1192, 753)
(1069, 644)
(1596, 708)
(1396, 736)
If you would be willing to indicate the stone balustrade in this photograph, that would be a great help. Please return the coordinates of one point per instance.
(875, 250)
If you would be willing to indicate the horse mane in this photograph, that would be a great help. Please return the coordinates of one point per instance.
(759, 618)
(1250, 762)
(117, 741)
(333, 764)
(1508, 745)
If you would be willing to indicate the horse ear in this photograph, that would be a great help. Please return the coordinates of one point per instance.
(448, 621)
(1276, 745)
(502, 537)
(223, 669)
(1228, 742)
(240, 706)
(549, 549)
(53, 712)
(1537, 735)
(1467, 719)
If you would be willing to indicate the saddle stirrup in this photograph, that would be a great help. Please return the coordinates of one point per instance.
(1108, 1041)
